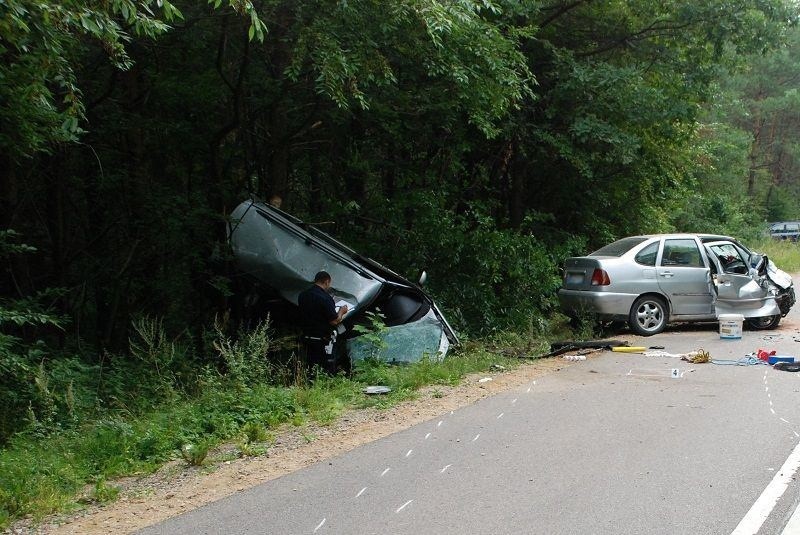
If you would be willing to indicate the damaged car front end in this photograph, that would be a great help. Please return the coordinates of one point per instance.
(749, 284)
(284, 253)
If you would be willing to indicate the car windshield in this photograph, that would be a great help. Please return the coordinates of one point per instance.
(619, 247)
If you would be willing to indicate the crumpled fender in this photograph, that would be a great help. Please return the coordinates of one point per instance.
(777, 276)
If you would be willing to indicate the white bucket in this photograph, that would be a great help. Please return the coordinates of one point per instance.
(730, 326)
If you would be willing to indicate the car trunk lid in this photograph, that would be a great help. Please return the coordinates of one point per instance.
(579, 272)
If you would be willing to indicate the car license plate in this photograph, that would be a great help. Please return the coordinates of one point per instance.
(574, 277)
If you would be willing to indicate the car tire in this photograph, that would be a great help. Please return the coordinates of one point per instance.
(764, 323)
(648, 315)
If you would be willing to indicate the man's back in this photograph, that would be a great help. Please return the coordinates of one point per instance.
(317, 310)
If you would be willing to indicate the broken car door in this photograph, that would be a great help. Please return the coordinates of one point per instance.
(684, 278)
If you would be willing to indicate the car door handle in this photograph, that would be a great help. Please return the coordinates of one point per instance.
(666, 274)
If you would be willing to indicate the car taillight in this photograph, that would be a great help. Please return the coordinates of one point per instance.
(600, 278)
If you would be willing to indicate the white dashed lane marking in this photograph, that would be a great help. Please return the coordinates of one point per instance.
(360, 492)
(476, 437)
(384, 472)
(500, 415)
(403, 506)
(426, 436)
(442, 471)
(409, 453)
(320, 525)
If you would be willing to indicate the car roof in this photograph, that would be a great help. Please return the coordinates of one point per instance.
(703, 237)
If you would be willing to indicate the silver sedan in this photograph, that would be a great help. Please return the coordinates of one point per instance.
(651, 280)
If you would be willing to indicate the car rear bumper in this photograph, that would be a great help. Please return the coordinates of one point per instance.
(608, 305)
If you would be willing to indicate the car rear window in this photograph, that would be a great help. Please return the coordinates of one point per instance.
(619, 247)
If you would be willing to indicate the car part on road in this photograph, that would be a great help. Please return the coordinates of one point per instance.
(787, 366)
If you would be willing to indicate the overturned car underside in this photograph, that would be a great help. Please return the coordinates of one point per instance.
(284, 253)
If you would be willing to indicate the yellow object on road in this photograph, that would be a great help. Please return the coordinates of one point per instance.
(629, 349)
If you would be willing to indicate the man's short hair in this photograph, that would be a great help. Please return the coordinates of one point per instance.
(322, 276)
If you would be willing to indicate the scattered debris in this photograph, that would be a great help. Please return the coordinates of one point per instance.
(559, 348)
(787, 366)
(574, 357)
(372, 390)
(631, 349)
(484, 380)
(697, 357)
(764, 354)
(497, 367)
(747, 360)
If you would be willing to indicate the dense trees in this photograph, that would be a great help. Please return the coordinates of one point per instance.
(481, 140)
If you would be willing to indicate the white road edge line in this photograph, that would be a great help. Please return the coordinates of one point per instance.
(765, 503)
(403, 506)
(793, 526)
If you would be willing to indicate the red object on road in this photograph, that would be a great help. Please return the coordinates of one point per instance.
(763, 354)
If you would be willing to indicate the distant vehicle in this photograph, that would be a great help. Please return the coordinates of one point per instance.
(649, 281)
(283, 253)
(785, 230)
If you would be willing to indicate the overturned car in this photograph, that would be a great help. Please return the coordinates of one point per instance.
(649, 281)
(283, 253)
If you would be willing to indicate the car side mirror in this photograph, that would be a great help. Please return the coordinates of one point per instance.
(422, 278)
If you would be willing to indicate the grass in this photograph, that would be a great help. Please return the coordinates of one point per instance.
(48, 473)
(785, 254)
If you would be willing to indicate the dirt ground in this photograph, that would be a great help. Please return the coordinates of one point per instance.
(177, 488)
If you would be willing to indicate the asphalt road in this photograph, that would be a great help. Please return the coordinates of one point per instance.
(613, 445)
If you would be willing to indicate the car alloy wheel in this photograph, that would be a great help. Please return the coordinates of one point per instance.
(648, 315)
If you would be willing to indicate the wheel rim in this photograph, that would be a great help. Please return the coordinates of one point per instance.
(649, 316)
(762, 322)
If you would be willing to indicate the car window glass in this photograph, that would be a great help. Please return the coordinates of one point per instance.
(647, 256)
(681, 253)
(730, 257)
(619, 247)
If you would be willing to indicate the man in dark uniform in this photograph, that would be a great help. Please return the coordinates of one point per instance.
(319, 317)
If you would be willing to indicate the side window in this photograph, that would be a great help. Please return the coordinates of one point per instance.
(681, 253)
(647, 256)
